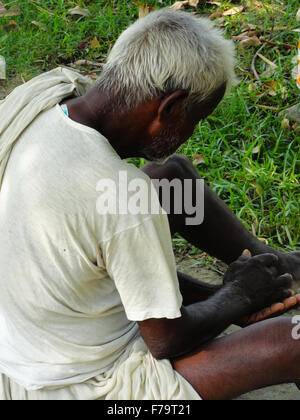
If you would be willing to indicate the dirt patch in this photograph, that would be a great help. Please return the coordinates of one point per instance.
(6, 86)
(193, 266)
(3, 89)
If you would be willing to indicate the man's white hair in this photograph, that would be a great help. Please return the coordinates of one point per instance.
(166, 51)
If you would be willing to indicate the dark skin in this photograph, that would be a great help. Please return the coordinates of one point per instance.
(253, 285)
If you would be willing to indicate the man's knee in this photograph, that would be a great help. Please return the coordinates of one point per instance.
(179, 162)
(177, 166)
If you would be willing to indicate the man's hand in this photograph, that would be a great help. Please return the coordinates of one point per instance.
(251, 284)
(290, 263)
(258, 280)
(273, 311)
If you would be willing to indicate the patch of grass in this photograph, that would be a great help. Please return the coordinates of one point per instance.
(251, 161)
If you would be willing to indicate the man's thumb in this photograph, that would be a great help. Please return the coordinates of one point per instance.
(246, 255)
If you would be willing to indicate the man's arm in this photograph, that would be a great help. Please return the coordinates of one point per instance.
(199, 323)
(254, 286)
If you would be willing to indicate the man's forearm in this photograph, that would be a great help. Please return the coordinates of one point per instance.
(222, 234)
(204, 321)
(199, 323)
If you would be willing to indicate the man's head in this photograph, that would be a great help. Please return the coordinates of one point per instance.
(169, 69)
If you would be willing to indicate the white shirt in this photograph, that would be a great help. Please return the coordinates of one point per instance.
(73, 282)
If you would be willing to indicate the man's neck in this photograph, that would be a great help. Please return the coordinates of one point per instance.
(94, 110)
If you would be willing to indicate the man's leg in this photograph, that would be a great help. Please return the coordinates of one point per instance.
(261, 355)
(222, 234)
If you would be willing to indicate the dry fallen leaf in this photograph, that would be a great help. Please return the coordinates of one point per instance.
(79, 11)
(249, 42)
(93, 76)
(215, 15)
(280, 28)
(277, 44)
(14, 11)
(87, 63)
(198, 160)
(193, 3)
(298, 16)
(234, 11)
(269, 72)
(95, 43)
(12, 25)
(266, 60)
(241, 37)
(293, 113)
(179, 5)
(285, 123)
(2, 68)
(251, 33)
(144, 10)
(276, 88)
(252, 87)
(39, 25)
(271, 67)
(251, 27)
(267, 107)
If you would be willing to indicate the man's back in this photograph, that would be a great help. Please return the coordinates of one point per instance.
(60, 313)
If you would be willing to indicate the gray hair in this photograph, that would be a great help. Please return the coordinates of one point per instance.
(166, 51)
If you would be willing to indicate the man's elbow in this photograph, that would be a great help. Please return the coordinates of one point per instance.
(163, 338)
(164, 349)
(160, 350)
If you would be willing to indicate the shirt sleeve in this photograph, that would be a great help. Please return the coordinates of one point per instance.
(141, 262)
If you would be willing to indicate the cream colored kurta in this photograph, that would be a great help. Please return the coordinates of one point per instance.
(73, 282)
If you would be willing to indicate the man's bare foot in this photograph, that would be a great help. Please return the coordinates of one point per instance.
(271, 312)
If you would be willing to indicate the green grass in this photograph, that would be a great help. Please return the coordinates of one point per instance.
(262, 187)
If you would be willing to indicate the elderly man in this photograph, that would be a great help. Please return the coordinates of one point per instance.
(91, 306)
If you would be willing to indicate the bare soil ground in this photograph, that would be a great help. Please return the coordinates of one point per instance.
(6, 86)
(190, 265)
(3, 89)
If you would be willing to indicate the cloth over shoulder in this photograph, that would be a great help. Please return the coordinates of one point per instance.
(27, 101)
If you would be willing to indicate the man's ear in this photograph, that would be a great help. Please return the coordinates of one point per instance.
(171, 105)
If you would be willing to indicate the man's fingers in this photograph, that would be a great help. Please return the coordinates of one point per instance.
(292, 302)
(268, 312)
(285, 294)
(268, 260)
(246, 255)
(272, 311)
(285, 281)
